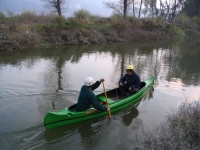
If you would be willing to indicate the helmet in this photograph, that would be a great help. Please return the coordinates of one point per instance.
(88, 81)
(130, 67)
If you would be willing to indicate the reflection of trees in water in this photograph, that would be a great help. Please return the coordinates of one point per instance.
(183, 63)
(147, 58)
(180, 61)
(189, 65)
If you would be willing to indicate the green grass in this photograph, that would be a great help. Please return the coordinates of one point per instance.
(179, 33)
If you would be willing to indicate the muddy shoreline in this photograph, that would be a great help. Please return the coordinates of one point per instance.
(10, 41)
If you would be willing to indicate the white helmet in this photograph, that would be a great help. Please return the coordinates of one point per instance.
(88, 81)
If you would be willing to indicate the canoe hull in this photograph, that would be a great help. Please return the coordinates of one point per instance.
(70, 115)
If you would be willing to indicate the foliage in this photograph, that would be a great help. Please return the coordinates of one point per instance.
(117, 21)
(72, 23)
(2, 17)
(82, 14)
(61, 22)
(116, 16)
(96, 18)
(23, 28)
(186, 22)
(46, 28)
(180, 131)
(158, 20)
(83, 20)
(196, 20)
(54, 29)
(148, 24)
(27, 17)
(182, 18)
(179, 33)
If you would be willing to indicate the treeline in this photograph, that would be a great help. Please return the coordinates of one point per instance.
(30, 21)
(190, 7)
(166, 9)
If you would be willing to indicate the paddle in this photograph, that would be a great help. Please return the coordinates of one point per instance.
(106, 101)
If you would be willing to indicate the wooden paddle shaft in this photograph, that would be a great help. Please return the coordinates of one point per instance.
(106, 101)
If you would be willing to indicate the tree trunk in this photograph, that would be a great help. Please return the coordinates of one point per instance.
(125, 8)
(140, 9)
(59, 8)
(173, 11)
(133, 8)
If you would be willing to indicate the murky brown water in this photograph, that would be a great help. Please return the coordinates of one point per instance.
(33, 82)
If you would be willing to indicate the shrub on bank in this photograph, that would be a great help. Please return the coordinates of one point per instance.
(196, 21)
(61, 22)
(180, 131)
(82, 19)
(178, 32)
(184, 21)
(82, 14)
(2, 18)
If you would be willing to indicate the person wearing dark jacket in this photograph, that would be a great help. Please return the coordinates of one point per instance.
(130, 82)
(87, 98)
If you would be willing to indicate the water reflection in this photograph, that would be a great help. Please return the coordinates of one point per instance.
(62, 70)
(133, 113)
(33, 82)
(147, 59)
(87, 135)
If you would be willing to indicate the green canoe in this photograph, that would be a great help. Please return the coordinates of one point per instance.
(71, 115)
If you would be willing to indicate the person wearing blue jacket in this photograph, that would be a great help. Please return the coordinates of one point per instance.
(130, 82)
(87, 98)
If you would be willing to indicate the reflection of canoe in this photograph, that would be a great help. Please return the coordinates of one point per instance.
(127, 118)
(71, 115)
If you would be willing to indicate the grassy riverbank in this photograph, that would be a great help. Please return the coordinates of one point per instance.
(31, 30)
(180, 131)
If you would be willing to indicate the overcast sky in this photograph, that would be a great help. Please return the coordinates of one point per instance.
(96, 7)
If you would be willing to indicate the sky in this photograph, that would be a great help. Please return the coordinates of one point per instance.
(96, 7)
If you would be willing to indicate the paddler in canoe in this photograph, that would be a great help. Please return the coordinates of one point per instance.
(130, 82)
(70, 114)
(87, 98)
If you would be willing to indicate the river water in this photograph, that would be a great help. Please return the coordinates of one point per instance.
(33, 82)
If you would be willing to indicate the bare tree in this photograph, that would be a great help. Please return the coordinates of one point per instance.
(170, 8)
(162, 10)
(58, 5)
(174, 8)
(121, 6)
(115, 6)
(150, 6)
